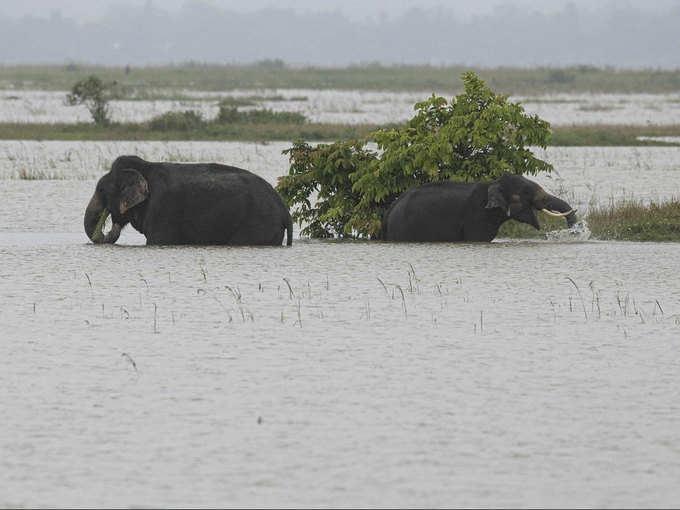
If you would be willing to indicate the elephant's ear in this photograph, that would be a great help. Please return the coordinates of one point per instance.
(495, 198)
(133, 189)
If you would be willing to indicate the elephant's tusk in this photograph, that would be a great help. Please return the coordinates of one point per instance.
(558, 214)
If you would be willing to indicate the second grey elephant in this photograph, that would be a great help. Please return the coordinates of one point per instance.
(454, 211)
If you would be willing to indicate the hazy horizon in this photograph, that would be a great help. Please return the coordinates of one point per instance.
(485, 33)
(90, 10)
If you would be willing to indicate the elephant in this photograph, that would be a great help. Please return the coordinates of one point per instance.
(455, 211)
(187, 203)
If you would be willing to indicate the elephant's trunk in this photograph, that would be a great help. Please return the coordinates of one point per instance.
(555, 206)
(95, 217)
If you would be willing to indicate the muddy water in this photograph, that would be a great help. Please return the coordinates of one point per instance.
(332, 373)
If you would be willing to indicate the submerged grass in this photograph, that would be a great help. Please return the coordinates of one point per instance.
(634, 221)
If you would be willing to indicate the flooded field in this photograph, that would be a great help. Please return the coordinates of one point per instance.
(351, 107)
(582, 174)
(331, 373)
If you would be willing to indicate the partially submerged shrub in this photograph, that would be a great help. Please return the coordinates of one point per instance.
(327, 170)
(478, 135)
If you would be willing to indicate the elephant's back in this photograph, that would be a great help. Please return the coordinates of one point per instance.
(422, 213)
(425, 196)
(219, 189)
(212, 204)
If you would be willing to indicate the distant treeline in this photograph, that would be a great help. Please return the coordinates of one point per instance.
(619, 35)
(143, 81)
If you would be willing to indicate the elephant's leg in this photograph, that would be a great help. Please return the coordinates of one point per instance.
(479, 233)
(268, 234)
(160, 231)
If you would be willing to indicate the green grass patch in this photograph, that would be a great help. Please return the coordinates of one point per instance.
(548, 100)
(232, 101)
(598, 108)
(187, 120)
(610, 135)
(632, 220)
(231, 115)
(627, 220)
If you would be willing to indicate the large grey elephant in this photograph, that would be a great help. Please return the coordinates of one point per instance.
(453, 211)
(181, 203)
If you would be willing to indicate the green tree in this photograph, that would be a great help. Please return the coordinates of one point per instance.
(478, 135)
(327, 171)
(92, 93)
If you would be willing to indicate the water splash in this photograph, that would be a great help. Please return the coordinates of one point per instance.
(579, 231)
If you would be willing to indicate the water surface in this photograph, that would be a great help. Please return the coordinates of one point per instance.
(339, 374)
(332, 373)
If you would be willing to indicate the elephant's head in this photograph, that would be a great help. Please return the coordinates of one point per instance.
(520, 198)
(117, 193)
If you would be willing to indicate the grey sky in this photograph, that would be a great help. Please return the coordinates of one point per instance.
(619, 33)
(88, 10)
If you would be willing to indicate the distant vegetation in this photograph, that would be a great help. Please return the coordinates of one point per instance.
(190, 121)
(146, 81)
(254, 100)
(180, 126)
(229, 114)
(187, 120)
(93, 93)
(173, 127)
(611, 135)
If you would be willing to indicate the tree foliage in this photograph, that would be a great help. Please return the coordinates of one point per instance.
(477, 136)
(325, 171)
(92, 93)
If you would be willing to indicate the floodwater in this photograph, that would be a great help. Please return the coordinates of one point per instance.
(583, 175)
(344, 106)
(330, 374)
